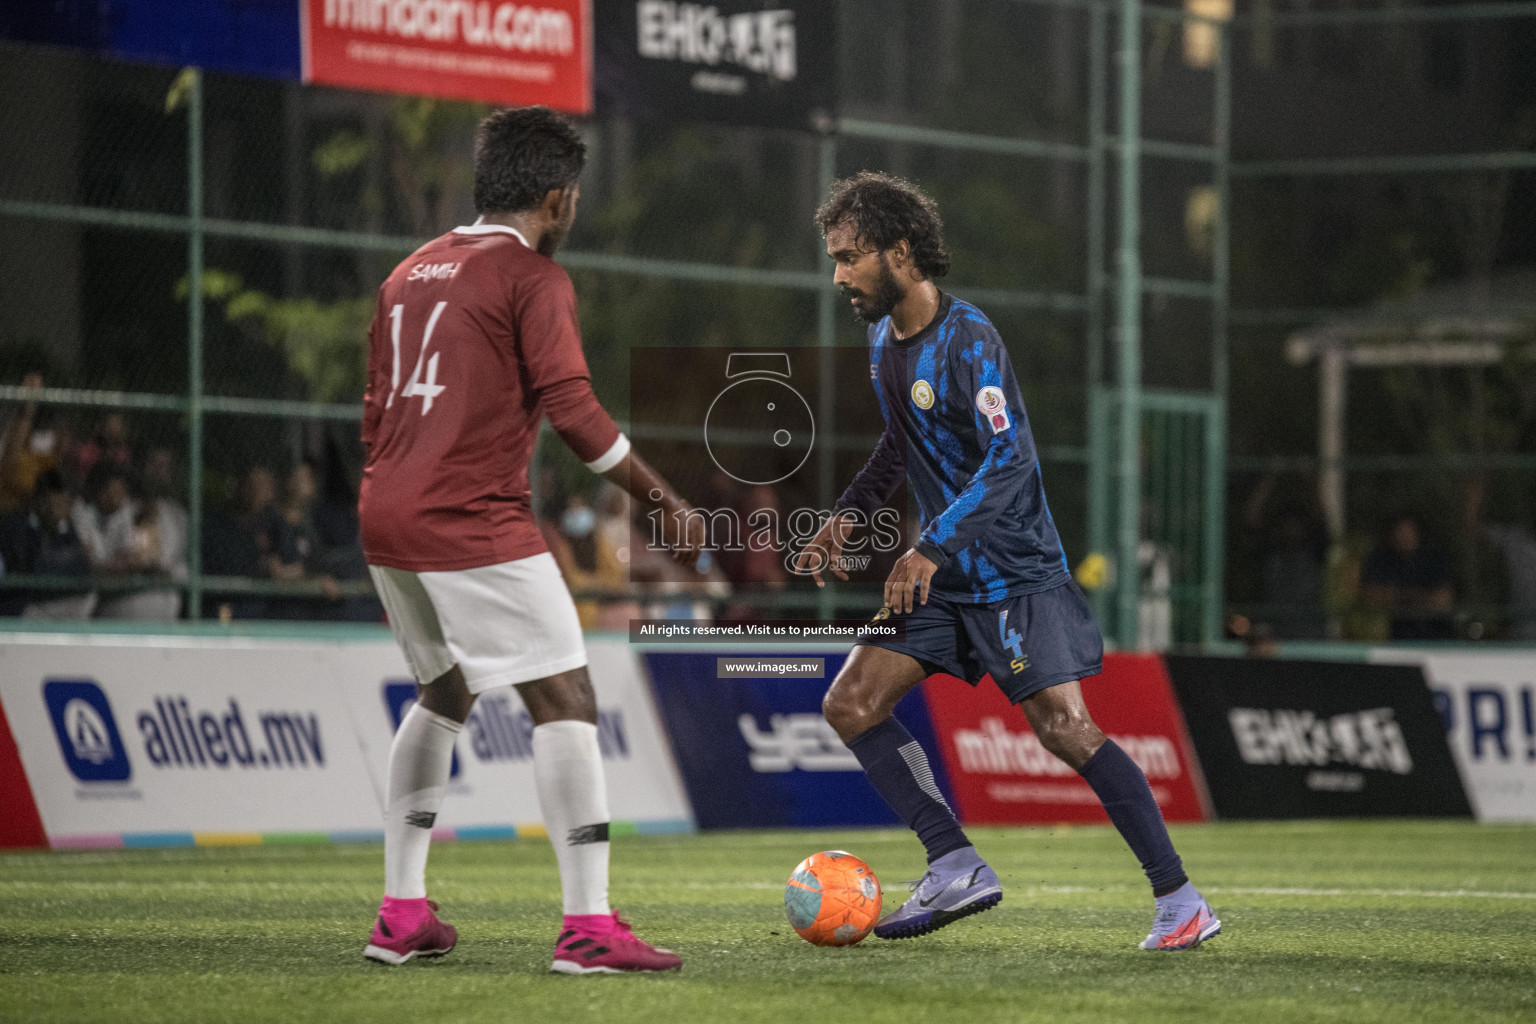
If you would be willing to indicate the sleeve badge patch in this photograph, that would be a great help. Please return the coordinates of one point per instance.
(994, 407)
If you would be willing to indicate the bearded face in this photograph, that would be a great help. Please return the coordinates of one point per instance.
(878, 295)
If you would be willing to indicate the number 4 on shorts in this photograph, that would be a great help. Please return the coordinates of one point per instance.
(1013, 642)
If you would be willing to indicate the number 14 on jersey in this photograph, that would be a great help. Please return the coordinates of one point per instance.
(416, 387)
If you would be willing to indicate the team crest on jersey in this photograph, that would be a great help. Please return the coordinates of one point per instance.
(994, 407)
(922, 395)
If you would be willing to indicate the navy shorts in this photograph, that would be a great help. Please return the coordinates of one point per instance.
(1026, 643)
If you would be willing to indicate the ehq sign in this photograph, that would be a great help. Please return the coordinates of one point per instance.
(759, 62)
(1299, 739)
(493, 51)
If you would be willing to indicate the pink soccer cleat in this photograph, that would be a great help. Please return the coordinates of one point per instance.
(431, 938)
(609, 949)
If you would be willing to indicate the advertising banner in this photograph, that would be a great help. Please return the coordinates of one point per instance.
(1301, 739)
(1487, 703)
(770, 64)
(491, 787)
(175, 741)
(124, 743)
(1002, 775)
(753, 747)
(251, 37)
(493, 51)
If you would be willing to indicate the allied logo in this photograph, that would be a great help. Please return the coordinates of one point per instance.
(922, 395)
(994, 407)
(87, 731)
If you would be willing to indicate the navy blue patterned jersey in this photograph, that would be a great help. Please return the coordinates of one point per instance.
(955, 427)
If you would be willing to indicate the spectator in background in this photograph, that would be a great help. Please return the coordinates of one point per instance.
(1411, 582)
(158, 483)
(586, 559)
(159, 544)
(30, 448)
(107, 445)
(105, 517)
(39, 538)
(297, 552)
(1291, 551)
(334, 514)
(122, 537)
(616, 533)
(1517, 547)
(238, 539)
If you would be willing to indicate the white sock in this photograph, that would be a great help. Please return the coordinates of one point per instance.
(574, 798)
(419, 762)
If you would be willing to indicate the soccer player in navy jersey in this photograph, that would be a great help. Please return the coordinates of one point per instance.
(986, 587)
(473, 343)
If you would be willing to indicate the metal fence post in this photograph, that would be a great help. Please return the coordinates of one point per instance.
(826, 338)
(1128, 320)
(195, 345)
(1216, 453)
(1099, 467)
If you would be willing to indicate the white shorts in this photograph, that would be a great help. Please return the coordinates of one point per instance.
(501, 624)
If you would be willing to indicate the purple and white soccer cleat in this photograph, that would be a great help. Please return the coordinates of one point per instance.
(956, 885)
(1184, 920)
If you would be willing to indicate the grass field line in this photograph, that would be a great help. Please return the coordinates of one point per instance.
(1077, 890)
(1235, 890)
(1443, 894)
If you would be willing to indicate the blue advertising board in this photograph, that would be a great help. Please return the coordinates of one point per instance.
(755, 752)
(253, 37)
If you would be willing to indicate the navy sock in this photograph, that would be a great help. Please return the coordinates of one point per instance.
(1122, 789)
(898, 768)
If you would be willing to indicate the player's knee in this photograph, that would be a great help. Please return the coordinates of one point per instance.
(850, 709)
(836, 709)
(1071, 739)
(565, 697)
(447, 695)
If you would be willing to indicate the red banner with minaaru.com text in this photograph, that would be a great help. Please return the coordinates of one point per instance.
(490, 51)
(1002, 775)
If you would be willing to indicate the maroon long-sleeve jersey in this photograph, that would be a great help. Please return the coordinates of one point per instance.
(473, 342)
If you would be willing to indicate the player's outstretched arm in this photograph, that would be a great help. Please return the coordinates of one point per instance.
(682, 529)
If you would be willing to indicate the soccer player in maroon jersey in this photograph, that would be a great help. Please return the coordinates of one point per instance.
(473, 343)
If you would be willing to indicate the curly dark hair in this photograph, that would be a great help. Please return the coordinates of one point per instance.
(883, 209)
(521, 153)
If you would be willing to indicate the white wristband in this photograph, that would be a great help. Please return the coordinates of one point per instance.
(612, 457)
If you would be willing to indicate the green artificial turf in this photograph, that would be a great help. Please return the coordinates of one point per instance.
(1390, 921)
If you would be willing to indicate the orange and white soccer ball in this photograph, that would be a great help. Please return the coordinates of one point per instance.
(832, 898)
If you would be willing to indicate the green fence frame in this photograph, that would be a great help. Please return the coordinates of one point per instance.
(1114, 475)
